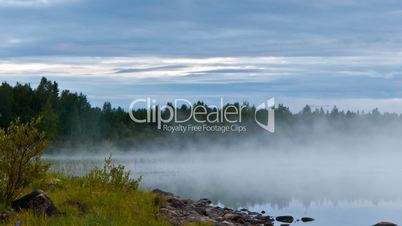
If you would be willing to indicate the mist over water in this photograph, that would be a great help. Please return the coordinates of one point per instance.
(346, 182)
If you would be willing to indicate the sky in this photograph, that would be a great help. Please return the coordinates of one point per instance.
(318, 52)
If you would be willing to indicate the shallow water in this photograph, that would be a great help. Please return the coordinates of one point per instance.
(354, 190)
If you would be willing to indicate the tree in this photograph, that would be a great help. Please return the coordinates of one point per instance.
(6, 106)
(307, 110)
(21, 148)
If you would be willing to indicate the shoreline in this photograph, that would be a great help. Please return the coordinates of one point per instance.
(182, 211)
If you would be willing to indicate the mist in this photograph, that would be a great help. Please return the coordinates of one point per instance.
(313, 168)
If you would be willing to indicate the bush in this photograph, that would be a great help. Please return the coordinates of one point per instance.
(21, 148)
(112, 175)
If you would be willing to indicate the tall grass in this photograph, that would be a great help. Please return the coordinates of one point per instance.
(99, 205)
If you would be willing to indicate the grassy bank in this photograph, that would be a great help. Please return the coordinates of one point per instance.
(102, 204)
(107, 195)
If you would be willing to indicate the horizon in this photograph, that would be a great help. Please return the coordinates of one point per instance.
(216, 101)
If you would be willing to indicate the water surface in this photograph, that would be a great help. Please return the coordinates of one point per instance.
(353, 190)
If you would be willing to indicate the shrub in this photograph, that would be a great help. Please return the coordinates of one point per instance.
(21, 148)
(113, 175)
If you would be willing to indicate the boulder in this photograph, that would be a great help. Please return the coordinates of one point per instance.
(307, 219)
(252, 213)
(203, 202)
(175, 202)
(285, 219)
(234, 218)
(385, 224)
(264, 218)
(38, 202)
(202, 210)
(187, 201)
(214, 212)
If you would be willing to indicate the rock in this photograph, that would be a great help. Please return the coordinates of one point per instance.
(204, 202)
(163, 193)
(175, 202)
(38, 202)
(194, 216)
(188, 201)
(285, 219)
(244, 209)
(307, 219)
(262, 220)
(225, 223)
(6, 215)
(265, 218)
(385, 224)
(235, 218)
(214, 213)
(263, 212)
(252, 213)
(200, 210)
(181, 211)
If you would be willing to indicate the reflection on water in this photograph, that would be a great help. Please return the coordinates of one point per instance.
(335, 190)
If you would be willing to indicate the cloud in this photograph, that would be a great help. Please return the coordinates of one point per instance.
(192, 69)
(319, 49)
(235, 78)
(202, 28)
(158, 68)
(27, 2)
(232, 71)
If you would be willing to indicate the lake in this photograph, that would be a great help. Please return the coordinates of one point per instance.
(354, 190)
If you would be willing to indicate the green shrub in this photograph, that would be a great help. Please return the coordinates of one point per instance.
(112, 175)
(21, 148)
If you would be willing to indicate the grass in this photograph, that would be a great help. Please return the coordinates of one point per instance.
(99, 205)
(104, 197)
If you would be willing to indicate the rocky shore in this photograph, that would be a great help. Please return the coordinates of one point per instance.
(179, 211)
(182, 211)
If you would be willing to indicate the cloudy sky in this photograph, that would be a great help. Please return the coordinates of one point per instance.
(319, 52)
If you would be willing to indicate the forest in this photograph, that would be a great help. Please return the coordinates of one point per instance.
(69, 121)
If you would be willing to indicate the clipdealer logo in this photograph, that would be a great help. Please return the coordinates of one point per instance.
(268, 106)
(199, 118)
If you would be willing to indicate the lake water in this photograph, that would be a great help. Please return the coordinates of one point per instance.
(354, 190)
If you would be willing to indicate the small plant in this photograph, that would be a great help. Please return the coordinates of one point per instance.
(21, 148)
(113, 175)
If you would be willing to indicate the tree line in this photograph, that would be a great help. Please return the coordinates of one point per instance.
(69, 120)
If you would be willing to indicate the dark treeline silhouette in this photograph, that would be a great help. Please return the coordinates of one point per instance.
(70, 121)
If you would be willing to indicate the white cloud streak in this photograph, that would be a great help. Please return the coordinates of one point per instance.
(27, 2)
(258, 68)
